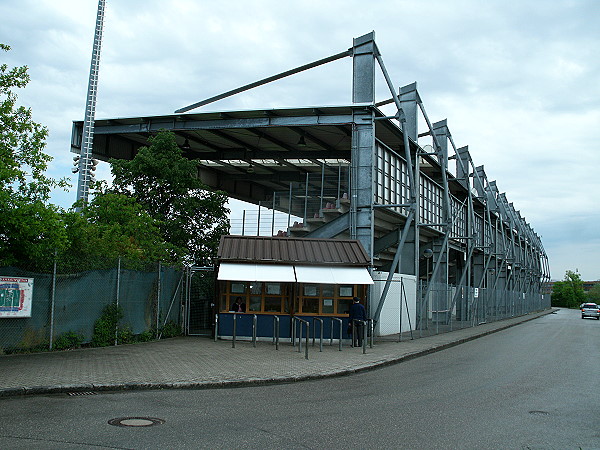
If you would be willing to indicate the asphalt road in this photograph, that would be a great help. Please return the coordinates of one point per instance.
(534, 385)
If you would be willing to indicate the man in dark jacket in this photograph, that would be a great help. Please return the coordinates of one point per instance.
(358, 313)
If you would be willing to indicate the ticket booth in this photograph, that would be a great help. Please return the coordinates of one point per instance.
(287, 277)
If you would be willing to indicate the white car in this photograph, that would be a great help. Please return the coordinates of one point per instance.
(590, 310)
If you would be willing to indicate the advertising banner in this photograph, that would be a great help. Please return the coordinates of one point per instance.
(15, 296)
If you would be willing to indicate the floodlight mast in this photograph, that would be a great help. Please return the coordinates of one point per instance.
(86, 166)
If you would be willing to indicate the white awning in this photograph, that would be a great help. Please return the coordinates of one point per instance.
(256, 272)
(333, 275)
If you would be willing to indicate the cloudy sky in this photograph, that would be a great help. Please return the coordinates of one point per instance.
(517, 80)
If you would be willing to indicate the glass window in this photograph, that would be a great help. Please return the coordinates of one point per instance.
(276, 298)
(224, 303)
(346, 291)
(326, 298)
(327, 290)
(274, 288)
(311, 290)
(238, 288)
(255, 303)
(256, 288)
(328, 306)
(258, 297)
(343, 306)
(310, 306)
(273, 304)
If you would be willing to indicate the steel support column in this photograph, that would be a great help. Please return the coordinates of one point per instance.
(363, 65)
(363, 142)
(361, 211)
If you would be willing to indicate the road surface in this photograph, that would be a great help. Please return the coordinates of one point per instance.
(534, 385)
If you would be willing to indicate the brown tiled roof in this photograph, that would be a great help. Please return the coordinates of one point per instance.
(342, 252)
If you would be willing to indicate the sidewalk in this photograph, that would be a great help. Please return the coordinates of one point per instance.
(192, 362)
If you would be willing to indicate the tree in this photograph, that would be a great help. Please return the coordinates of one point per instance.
(191, 217)
(568, 293)
(110, 226)
(33, 231)
(593, 294)
(30, 228)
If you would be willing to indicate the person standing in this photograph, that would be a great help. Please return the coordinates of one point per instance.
(358, 313)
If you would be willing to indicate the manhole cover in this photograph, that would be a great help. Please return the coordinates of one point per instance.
(539, 413)
(135, 421)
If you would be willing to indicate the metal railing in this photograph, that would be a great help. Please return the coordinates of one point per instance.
(331, 335)
(363, 324)
(371, 330)
(315, 332)
(276, 332)
(296, 321)
(216, 327)
(234, 334)
(254, 324)
(298, 325)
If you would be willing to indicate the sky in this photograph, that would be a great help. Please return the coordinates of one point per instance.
(517, 81)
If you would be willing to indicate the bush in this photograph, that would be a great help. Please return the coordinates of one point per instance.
(170, 329)
(34, 340)
(125, 335)
(105, 327)
(68, 340)
(146, 336)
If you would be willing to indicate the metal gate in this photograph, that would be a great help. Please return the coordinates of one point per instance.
(200, 297)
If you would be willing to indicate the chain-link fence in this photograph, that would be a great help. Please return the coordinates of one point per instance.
(419, 309)
(443, 307)
(74, 301)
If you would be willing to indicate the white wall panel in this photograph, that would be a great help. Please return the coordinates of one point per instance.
(395, 302)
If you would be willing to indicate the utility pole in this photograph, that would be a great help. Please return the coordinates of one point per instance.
(84, 163)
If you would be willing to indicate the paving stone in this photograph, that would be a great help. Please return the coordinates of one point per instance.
(193, 362)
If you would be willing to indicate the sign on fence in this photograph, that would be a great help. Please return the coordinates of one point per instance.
(15, 296)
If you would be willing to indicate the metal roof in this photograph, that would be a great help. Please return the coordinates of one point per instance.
(262, 249)
(248, 154)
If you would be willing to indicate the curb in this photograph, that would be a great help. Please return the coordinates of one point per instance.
(227, 384)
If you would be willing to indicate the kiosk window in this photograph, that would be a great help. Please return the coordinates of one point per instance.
(327, 290)
(343, 306)
(272, 304)
(255, 304)
(256, 288)
(322, 299)
(346, 291)
(310, 305)
(238, 288)
(328, 305)
(258, 296)
(311, 290)
(273, 288)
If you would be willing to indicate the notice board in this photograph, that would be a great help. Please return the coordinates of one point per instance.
(15, 296)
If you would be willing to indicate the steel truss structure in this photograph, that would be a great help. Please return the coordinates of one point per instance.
(354, 172)
(84, 162)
